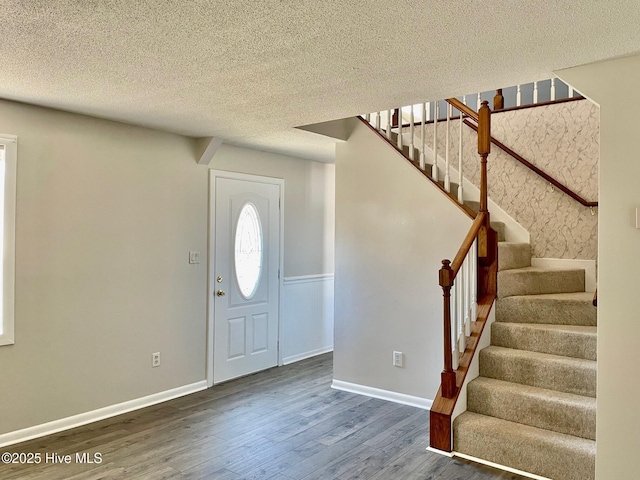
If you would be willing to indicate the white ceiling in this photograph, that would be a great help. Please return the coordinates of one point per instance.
(250, 71)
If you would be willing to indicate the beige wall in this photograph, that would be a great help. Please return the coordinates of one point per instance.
(614, 85)
(393, 228)
(308, 204)
(106, 216)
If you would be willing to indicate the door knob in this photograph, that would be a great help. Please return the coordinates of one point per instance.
(220, 293)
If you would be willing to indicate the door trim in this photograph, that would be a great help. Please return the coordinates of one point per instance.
(213, 175)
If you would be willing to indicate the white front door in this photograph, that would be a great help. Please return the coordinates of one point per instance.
(245, 274)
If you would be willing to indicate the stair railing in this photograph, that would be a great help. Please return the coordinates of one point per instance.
(427, 152)
(400, 126)
(469, 281)
(473, 272)
(458, 279)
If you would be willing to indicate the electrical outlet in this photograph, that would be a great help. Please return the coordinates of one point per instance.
(398, 359)
(194, 257)
(155, 359)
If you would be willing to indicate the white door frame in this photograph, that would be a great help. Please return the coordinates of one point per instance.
(213, 175)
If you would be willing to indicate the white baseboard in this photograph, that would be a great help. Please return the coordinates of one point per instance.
(305, 355)
(440, 452)
(559, 263)
(99, 414)
(395, 397)
(501, 467)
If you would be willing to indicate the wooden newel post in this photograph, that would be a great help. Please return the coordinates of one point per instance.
(448, 376)
(484, 148)
(498, 100)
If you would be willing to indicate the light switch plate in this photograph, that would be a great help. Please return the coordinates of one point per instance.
(194, 257)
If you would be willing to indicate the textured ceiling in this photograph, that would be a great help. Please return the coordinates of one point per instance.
(249, 71)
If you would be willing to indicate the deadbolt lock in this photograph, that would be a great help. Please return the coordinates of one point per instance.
(219, 279)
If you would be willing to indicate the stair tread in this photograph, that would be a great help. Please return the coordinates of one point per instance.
(521, 270)
(580, 329)
(538, 280)
(529, 390)
(543, 370)
(531, 449)
(548, 308)
(576, 341)
(560, 412)
(563, 296)
(514, 352)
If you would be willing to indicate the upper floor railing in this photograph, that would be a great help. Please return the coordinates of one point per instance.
(409, 129)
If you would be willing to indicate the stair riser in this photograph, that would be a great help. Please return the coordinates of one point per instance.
(528, 282)
(557, 414)
(568, 344)
(500, 228)
(518, 446)
(545, 311)
(513, 255)
(553, 374)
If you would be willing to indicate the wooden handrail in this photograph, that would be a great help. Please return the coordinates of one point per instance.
(467, 243)
(469, 112)
(535, 169)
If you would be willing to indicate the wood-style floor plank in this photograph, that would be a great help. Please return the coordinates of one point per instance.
(282, 424)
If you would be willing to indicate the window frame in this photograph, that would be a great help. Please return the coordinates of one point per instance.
(10, 145)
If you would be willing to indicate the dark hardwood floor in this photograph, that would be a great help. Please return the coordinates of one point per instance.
(282, 424)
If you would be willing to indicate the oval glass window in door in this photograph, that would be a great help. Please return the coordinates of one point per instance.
(248, 250)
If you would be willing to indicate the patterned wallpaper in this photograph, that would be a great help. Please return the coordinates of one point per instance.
(563, 141)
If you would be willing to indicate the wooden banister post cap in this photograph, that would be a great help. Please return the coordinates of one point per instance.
(446, 274)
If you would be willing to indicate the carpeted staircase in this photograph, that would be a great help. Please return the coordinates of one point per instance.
(533, 408)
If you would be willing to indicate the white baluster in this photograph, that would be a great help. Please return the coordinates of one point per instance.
(460, 178)
(454, 326)
(367, 117)
(447, 178)
(467, 294)
(535, 92)
(400, 128)
(434, 167)
(518, 96)
(462, 339)
(464, 100)
(553, 89)
(412, 132)
(422, 135)
(479, 104)
(378, 121)
(389, 117)
(570, 91)
(428, 111)
(474, 281)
